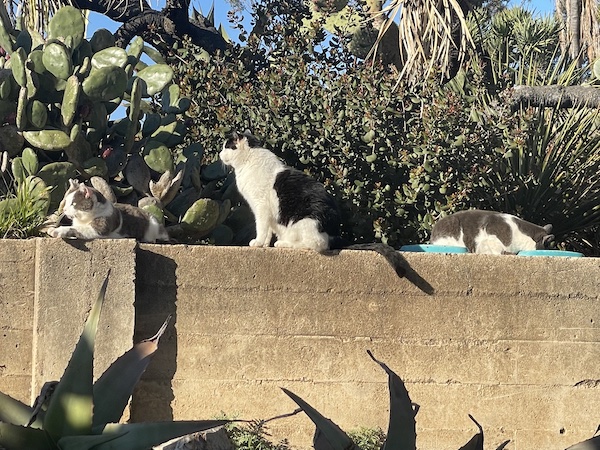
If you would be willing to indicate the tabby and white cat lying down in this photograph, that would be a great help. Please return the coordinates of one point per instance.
(95, 217)
(288, 203)
(490, 232)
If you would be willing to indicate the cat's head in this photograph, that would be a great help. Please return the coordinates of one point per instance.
(237, 146)
(82, 202)
(544, 239)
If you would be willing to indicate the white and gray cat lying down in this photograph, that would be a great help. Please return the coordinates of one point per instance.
(490, 232)
(95, 217)
(300, 213)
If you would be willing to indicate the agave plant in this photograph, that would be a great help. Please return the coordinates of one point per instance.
(401, 433)
(80, 414)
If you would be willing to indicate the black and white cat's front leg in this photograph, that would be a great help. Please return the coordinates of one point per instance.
(71, 232)
(264, 232)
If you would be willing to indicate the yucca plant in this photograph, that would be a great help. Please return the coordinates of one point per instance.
(81, 414)
(401, 434)
(551, 169)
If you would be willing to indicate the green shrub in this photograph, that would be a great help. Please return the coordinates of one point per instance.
(368, 438)
(351, 129)
(253, 436)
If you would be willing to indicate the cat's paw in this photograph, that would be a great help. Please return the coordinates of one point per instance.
(255, 243)
(283, 244)
(59, 232)
(51, 231)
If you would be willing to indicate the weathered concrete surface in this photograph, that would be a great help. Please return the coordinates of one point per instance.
(47, 287)
(513, 341)
(17, 295)
(69, 275)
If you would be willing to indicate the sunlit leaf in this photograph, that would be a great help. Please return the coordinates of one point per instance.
(70, 409)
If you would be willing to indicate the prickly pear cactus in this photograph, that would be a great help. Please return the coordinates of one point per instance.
(95, 110)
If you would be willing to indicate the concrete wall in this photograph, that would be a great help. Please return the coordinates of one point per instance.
(47, 288)
(513, 341)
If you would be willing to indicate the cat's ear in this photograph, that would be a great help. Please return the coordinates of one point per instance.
(87, 191)
(548, 228)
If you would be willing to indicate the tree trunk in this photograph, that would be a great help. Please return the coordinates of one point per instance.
(555, 96)
(159, 28)
(574, 27)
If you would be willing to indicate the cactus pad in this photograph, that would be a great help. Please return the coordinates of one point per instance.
(36, 61)
(70, 100)
(17, 65)
(202, 216)
(101, 39)
(37, 114)
(6, 41)
(57, 60)
(57, 174)
(50, 140)
(157, 77)
(158, 157)
(67, 26)
(11, 140)
(30, 161)
(105, 83)
(111, 56)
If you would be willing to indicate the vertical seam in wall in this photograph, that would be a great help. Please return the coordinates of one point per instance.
(34, 346)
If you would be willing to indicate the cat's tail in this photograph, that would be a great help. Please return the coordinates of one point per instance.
(392, 256)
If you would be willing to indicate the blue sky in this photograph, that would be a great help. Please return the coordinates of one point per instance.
(221, 8)
(540, 7)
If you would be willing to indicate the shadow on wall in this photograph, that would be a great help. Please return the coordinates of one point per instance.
(155, 299)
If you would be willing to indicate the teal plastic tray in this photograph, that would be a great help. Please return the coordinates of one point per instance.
(432, 248)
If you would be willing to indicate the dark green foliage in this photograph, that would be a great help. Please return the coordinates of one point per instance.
(392, 158)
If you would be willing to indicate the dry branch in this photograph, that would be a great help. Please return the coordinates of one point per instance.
(555, 96)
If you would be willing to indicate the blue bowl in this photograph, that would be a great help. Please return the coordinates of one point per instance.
(549, 253)
(433, 248)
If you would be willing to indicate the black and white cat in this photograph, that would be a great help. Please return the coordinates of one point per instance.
(95, 217)
(490, 232)
(288, 203)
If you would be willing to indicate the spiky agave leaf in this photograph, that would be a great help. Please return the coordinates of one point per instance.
(328, 435)
(589, 444)
(402, 434)
(14, 437)
(70, 410)
(86, 442)
(113, 389)
(476, 442)
(13, 411)
(141, 436)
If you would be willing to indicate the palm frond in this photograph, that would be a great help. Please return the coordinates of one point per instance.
(433, 35)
